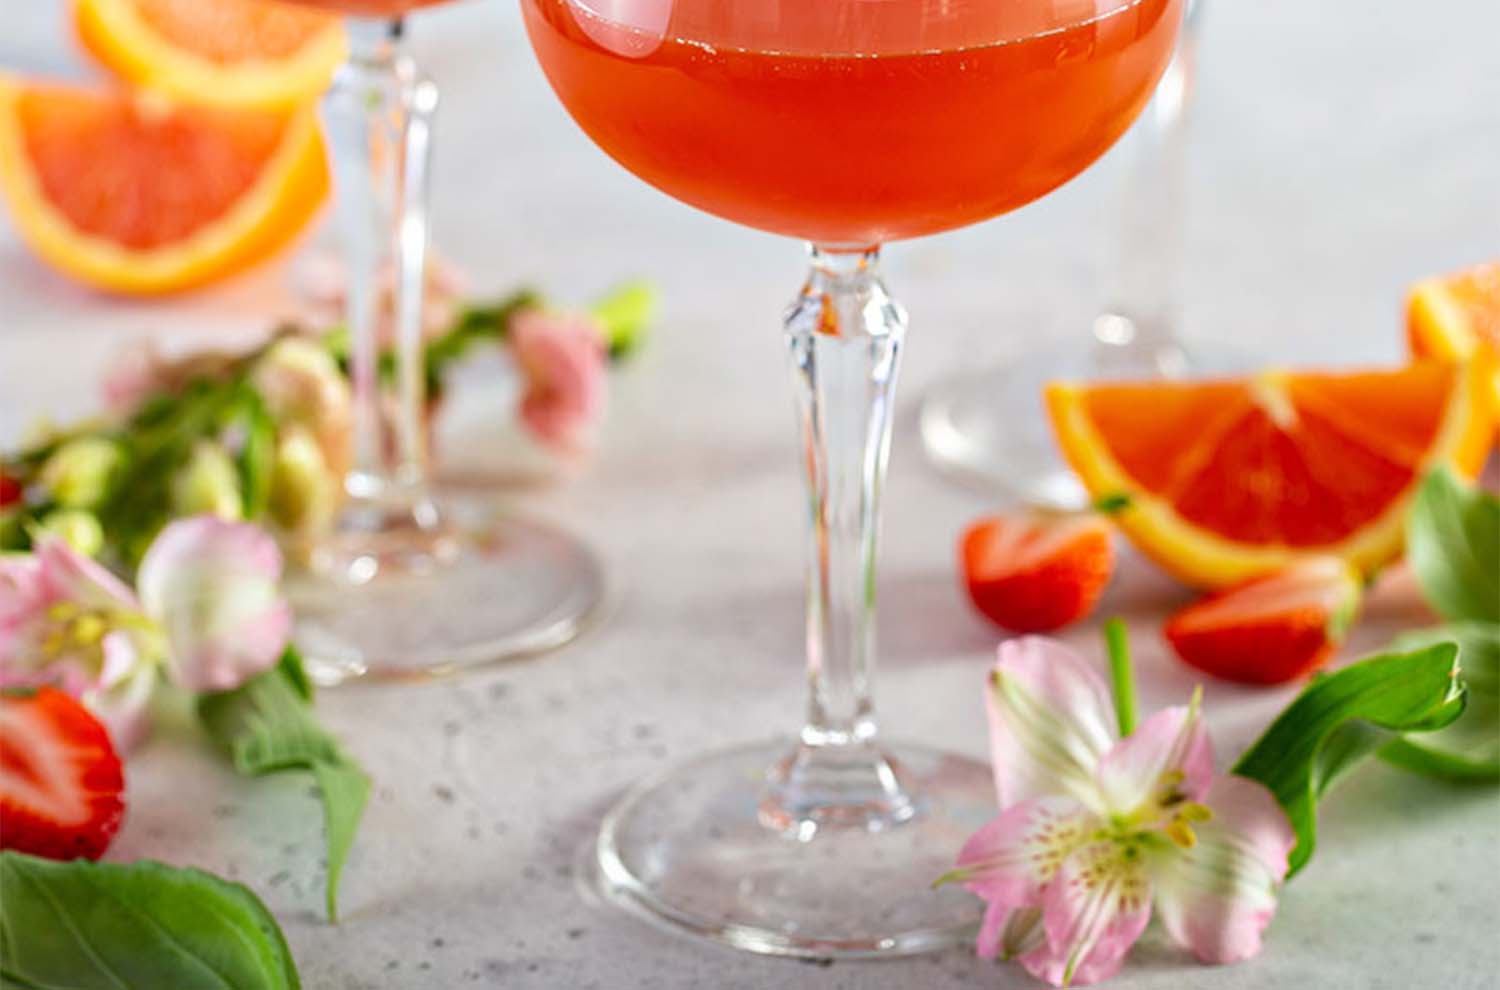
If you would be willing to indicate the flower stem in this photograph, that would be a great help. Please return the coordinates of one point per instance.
(1122, 674)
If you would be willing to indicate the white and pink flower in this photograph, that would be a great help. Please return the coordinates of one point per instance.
(209, 611)
(1095, 831)
(562, 359)
(68, 622)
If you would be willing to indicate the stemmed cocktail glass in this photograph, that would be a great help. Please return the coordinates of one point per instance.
(407, 584)
(987, 425)
(846, 124)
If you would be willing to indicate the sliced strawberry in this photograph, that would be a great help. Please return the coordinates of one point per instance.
(60, 781)
(10, 491)
(1271, 629)
(1034, 573)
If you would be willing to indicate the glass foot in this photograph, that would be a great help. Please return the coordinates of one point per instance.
(695, 850)
(990, 429)
(486, 589)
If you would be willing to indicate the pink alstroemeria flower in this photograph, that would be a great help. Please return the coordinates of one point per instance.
(65, 621)
(562, 358)
(1094, 830)
(208, 609)
(213, 586)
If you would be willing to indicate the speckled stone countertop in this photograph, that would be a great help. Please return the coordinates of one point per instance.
(1342, 149)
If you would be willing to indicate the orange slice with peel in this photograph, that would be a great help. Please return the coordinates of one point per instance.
(255, 53)
(129, 193)
(1457, 317)
(1226, 480)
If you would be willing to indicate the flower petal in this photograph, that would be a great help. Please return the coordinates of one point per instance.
(1094, 910)
(68, 575)
(1217, 897)
(1008, 932)
(1168, 753)
(22, 600)
(124, 706)
(1050, 721)
(212, 585)
(562, 358)
(1012, 858)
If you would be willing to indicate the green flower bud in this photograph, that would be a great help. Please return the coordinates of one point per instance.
(301, 382)
(78, 528)
(79, 473)
(303, 489)
(624, 317)
(208, 483)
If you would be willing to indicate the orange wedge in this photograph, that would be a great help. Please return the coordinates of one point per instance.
(131, 194)
(1457, 317)
(255, 53)
(1230, 479)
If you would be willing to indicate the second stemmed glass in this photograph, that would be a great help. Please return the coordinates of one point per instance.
(988, 426)
(407, 584)
(845, 124)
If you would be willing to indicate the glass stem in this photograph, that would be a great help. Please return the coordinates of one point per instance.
(378, 117)
(844, 334)
(1138, 334)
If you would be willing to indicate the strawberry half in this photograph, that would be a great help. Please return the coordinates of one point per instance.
(10, 491)
(1035, 573)
(60, 780)
(1271, 629)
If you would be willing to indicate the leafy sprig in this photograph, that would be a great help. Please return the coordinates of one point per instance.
(267, 725)
(1453, 545)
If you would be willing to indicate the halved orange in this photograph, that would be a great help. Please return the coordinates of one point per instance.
(132, 194)
(1229, 479)
(1457, 317)
(255, 53)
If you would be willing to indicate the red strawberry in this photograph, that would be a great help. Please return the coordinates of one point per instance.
(10, 491)
(1034, 573)
(1270, 629)
(60, 780)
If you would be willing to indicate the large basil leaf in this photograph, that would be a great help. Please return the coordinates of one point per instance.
(1453, 544)
(141, 926)
(1342, 717)
(1468, 749)
(267, 724)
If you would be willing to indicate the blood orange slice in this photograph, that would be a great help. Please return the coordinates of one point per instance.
(236, 52)
(133, 194)
(1230, 479)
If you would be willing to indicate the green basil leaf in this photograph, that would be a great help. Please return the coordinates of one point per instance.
(139, 926)
(1453, 544)
(267, 724)
(1469, 749)
(1342, 717)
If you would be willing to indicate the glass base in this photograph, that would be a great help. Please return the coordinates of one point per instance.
(703, 849)
(482, 589)
(990, 429)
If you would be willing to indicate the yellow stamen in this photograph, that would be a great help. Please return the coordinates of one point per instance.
(89, 629)
(1195, 812)
(1181, 833)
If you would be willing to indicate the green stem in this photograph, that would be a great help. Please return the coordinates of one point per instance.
(1122, 674)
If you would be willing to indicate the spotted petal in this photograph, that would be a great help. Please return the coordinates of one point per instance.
(1169, 753)
(1012, 858)
(1094, 910)
(212, 585)
(1050, 722)
(1009, 932)
(1218, 896)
